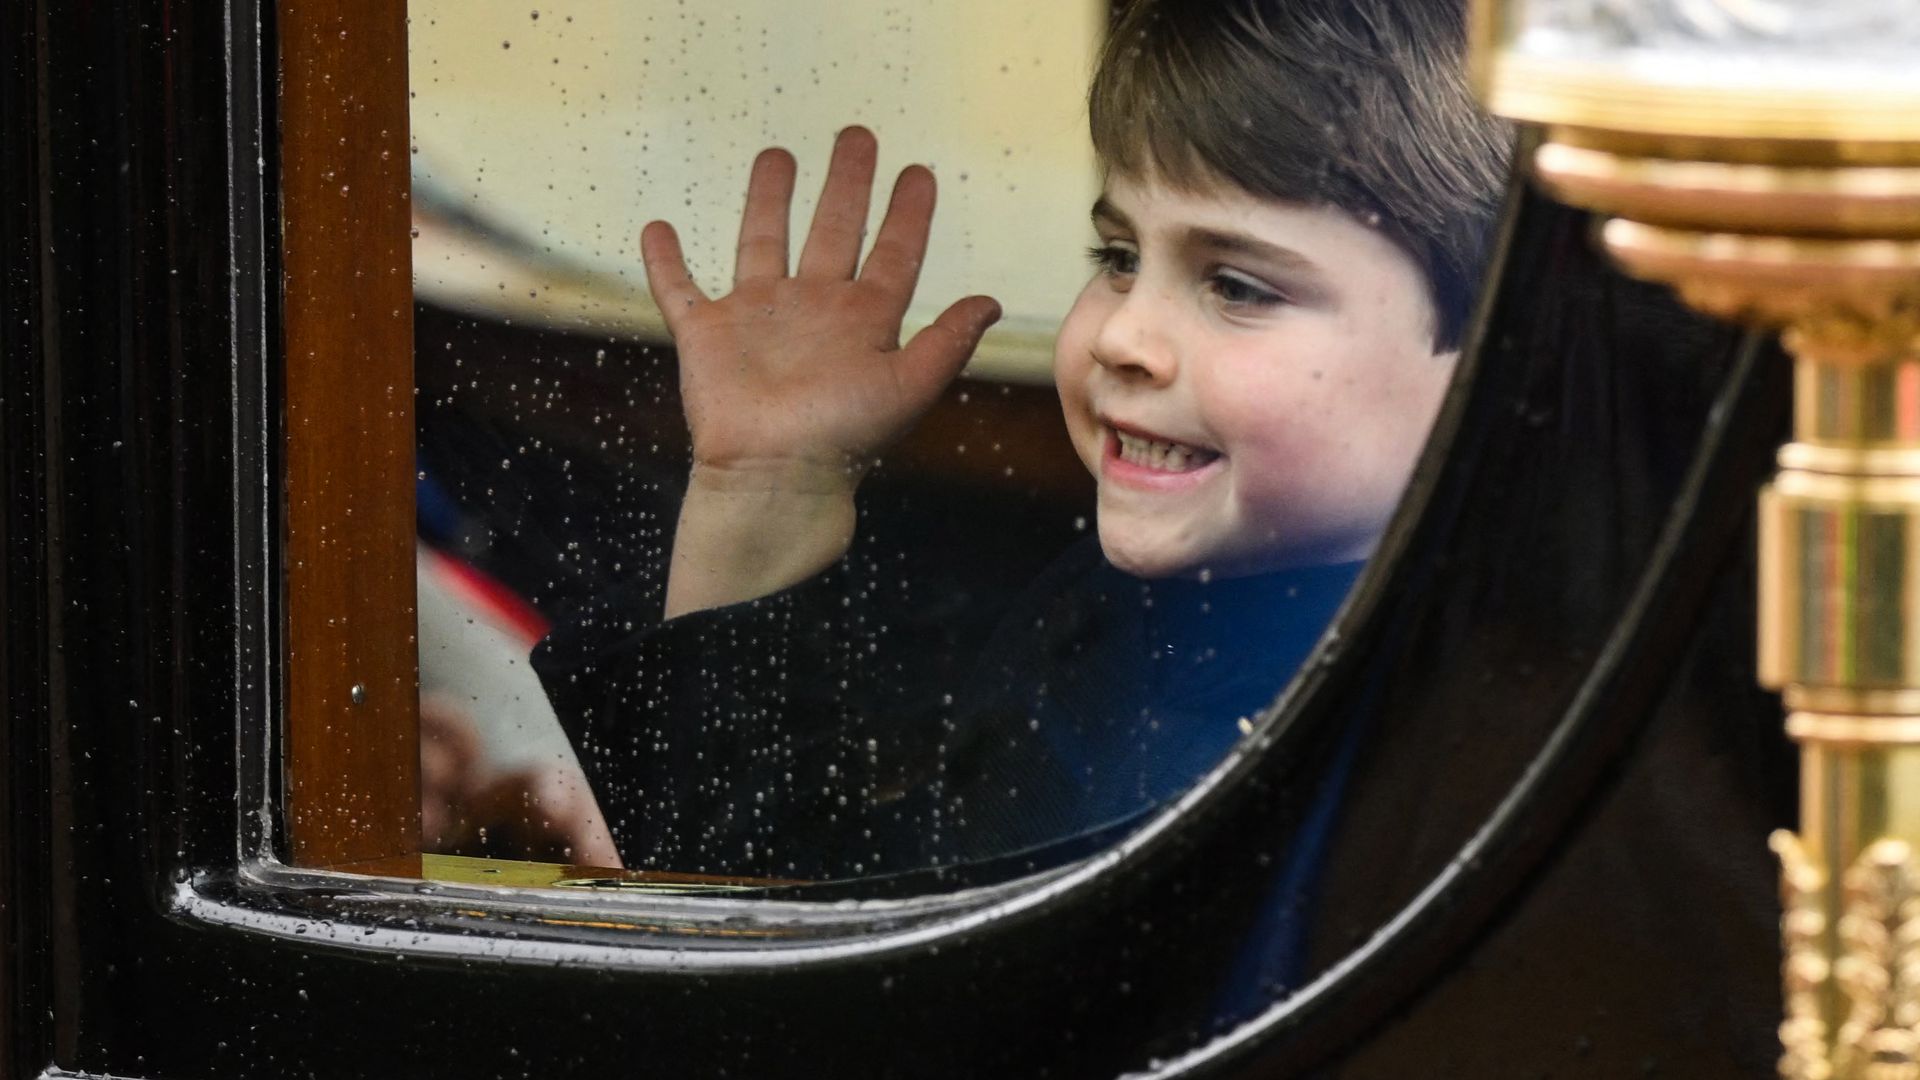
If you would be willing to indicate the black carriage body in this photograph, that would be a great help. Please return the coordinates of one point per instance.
(1553, 863)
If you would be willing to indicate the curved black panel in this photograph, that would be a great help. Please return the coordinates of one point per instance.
(1566, 609)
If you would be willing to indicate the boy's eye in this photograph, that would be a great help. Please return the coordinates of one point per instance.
(1239, 291)
(1113, 260)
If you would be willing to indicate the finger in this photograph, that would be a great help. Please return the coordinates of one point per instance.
(762, 252)
(573, 817)
(593, 845)
(941, 348)
(833, 243)
(901, 247)
(667, 279)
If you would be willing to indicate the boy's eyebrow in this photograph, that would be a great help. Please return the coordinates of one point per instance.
(1242, 244)
(1104, 211)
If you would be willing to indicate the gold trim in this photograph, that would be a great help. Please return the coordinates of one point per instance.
(1804, 968)
(1853, 407)
(1790, 154)
(1868, 200)
(1879, 966)
(1844, 729)
(1605, 97)
(1872, 461)
(1877, 329)
(1822, 492)
(516, 873)
(1839, 581)
(1839, 288)
(1873, 961)
(1851, 700)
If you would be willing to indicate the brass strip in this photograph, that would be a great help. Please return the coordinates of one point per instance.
(1840, 292)
(1783, 153)
(1605, 96)
(1839, 597)
(1876, 461)
(1868, 200)
(1897, 495)
(1778, 626)
(1854, 730)
(1785, 260)
(1860, 406)
(1852, 700)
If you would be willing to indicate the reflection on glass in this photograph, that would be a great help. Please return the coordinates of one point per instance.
(562, 128)
(1723, 43)
(1049, 609)
(551, 446)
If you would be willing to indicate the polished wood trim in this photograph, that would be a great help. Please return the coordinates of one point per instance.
(352, 724)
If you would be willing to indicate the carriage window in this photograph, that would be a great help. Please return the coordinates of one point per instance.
(552, 449)
(941, 493)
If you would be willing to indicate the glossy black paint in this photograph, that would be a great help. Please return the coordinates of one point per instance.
(1574, 584)
(23, 828)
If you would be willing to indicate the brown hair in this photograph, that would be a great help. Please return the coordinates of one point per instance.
(1357, 104)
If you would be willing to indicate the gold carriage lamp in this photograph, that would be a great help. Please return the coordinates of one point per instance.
(1763, 158)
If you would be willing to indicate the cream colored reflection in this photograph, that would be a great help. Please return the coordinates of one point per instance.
(568, 126)
(1719, 46)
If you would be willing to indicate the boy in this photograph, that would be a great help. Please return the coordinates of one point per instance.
(1296, 203)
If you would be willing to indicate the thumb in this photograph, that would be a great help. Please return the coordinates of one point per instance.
(941, 348)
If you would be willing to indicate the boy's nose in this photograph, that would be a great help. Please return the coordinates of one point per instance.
(1133, 344)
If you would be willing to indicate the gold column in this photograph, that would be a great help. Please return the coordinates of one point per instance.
(1751, 161)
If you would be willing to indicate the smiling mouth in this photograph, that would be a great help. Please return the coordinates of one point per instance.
(1160, 455)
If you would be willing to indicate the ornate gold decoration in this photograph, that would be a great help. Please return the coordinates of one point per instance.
(1803, 924)
(1762, 157)
(1853, 296)
(1879, 966)
(1877, 971)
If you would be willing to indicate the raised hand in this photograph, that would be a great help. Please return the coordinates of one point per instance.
(792, 382)
(800, 378)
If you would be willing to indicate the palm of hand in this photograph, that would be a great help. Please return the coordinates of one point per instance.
(804, 372)
(793, 368)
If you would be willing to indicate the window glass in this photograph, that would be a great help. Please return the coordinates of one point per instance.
(740, 578)
(561, 129)
(552, 451)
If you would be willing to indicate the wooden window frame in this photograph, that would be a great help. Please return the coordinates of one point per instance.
(352, 726)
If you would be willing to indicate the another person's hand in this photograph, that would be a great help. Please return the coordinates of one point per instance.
(467, 807)
(452, 764)
(799, 378)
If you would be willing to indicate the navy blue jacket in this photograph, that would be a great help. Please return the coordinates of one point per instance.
(848, 727)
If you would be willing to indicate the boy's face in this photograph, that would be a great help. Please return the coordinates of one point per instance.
(1249, 380)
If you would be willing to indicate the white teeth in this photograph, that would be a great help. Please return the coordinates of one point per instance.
(1164, 456)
